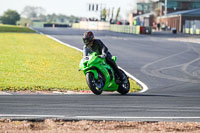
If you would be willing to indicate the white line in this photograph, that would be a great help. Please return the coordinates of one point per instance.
(144, 87)
(36, 30)
(96, 117)
(24, 115)
(4, 93)
(64, 43)
(126, 117)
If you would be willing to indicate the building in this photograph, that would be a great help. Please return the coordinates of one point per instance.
(146, 19)
(182, 20)
(181, 5)
(143, 8)
(141, 14)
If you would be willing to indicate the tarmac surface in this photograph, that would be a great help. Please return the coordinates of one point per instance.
(170, 69)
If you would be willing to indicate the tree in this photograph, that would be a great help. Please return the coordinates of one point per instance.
(42, 18)
(112, 14)
(117, 15)
(108, 14)
(10, 17)
(33, 12)
(51, 18)
(103, 14)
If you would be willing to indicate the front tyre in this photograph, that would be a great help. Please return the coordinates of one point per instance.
(125, 86)
(95, 87)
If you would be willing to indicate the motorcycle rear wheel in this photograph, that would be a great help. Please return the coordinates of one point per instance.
(92, 84)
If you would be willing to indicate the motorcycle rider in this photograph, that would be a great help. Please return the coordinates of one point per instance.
(96, 45)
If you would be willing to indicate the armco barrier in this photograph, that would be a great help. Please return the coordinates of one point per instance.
(187, 31)
(103, 26)
(197, 31)
(192, 27)
(76, 25)
(92, 25)
(38, 24)
(125, 29)
(192, 31)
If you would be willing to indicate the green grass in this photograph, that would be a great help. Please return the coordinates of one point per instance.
(14, 28)
(134, 86)
(35, 62)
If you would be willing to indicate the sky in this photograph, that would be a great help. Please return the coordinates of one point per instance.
(69, 7)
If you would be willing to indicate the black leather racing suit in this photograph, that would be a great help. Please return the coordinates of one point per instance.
(101, 49)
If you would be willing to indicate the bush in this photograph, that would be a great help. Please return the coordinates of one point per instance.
(10, 17)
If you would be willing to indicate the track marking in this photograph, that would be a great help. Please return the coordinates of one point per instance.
(144, 86)
(157, 72)
(66, 44)
(144, 68)
(36, 30)
(132, 117)
(184, 68)
(4, 93)
(25, 115)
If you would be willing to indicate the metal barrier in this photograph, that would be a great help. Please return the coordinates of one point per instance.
(192, 27)
(112, 27)
(76, 25)
(38, 24)
(125, 29)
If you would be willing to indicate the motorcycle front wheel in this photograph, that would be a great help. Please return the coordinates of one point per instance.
(95, 87)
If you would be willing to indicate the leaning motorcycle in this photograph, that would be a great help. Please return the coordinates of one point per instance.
(101, 77)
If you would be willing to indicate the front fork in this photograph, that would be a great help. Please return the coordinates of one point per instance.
(98, 79)
(99, 83)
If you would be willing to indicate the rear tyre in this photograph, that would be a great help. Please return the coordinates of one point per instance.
(125, 86)
(95, 87)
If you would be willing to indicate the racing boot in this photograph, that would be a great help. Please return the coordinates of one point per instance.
(120, 78)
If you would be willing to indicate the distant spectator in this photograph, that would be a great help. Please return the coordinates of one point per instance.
(119, 23)
(134, 22)
(163, 27)
(127, 23)
(111, 21)
(154, 25)
(158, 26)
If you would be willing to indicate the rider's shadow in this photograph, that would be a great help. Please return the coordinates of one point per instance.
(138, 95)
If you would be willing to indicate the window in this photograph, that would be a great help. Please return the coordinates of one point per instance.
(196, 5)
(172, 4)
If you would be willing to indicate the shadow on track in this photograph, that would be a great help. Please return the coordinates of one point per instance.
(139, 95)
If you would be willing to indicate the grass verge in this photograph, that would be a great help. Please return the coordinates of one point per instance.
(35, 62)
(14, 28)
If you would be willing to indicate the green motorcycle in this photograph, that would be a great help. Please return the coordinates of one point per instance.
(101, 77)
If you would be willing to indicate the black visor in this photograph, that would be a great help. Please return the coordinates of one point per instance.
(85, 41)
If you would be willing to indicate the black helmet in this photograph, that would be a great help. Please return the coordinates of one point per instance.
(88, 37)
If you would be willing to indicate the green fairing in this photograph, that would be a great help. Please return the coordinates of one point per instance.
(95, 65)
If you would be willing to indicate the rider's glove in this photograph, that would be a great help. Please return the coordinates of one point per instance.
(86, 58)
(103, 56)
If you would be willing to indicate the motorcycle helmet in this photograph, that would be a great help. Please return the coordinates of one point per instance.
(88, 37)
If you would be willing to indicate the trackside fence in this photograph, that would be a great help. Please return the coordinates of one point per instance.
(76, 25)
(125, 29)
(192, 27)
(113, 27)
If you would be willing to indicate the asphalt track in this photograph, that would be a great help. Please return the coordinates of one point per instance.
(170, 69)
